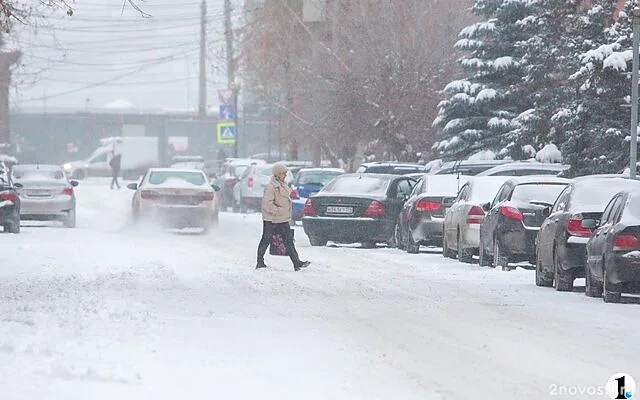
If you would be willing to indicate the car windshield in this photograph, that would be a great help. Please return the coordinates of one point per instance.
(316, 177)
(34, 174)
(545, 192)
(360, 184)
(160, 177)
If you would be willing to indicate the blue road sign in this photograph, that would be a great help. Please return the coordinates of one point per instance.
(226, 132)
(226, 111)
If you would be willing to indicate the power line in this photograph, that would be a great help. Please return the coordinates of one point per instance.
(104, 82)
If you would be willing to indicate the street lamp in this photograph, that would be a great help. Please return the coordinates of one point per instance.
(634, 95)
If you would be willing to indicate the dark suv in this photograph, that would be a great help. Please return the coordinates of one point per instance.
(390, 168)
(9, 203)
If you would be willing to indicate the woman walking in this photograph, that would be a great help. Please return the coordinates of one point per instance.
(276, 218)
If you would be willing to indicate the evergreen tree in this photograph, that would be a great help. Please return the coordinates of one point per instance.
(480, 108)
(547, 61)
(597, 123)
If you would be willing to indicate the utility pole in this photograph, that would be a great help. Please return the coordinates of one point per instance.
(202, 95)
(231, 69)
(634, 95)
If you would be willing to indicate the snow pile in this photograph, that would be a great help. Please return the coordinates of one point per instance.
(483, 155)
(549, 154)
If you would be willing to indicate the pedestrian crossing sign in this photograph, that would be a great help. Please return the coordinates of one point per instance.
(226, 132)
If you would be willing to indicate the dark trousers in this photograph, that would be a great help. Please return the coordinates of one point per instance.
(114, 178)
(284, 229)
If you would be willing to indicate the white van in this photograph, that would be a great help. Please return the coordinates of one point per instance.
(139, 153)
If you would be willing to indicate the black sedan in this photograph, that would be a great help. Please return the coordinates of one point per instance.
(561, 241)
(613, 251)
(357, 208)
(9, 203)
(421, 220)
(509, 228)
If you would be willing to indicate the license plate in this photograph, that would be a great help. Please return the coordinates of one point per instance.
(36, 192)
(339, 210)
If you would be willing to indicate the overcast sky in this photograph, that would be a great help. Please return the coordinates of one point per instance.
(104, 54)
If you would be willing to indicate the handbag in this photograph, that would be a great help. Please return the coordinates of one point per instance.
(277, 247)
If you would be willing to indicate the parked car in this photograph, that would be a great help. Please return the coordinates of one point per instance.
(307, 182)
(612, 262)
(229, 175)
(390, 168)
(176, 198)
(561, 241)
(512, 221)
(462, 220)
(356, 208)
(248, 192)
(9, 203)
(45, 193)
(421, 220)
(190, 162)
(467, 167)
(524, 168)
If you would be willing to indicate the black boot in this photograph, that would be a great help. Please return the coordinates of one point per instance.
(261, 264)
(300, 265)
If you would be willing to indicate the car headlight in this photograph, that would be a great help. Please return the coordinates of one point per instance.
(66, 166)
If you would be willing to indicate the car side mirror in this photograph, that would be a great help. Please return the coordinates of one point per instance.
(132, 186)
(73, 183)
(215, 187)
(546, 212)
(18, 185)
(486, 207)
(589, 223)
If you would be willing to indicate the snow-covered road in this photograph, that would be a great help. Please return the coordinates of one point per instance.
(110, 311)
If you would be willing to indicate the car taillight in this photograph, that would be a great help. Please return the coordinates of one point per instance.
(250, 182)
(626, 242)
(308, 208)
(427, 206)
(7, 196)
(574, 227)
(148, 195)
(68, 191)
(375, 209)
(207, 196)
(475, 215)
(511, 212)
(294, 194)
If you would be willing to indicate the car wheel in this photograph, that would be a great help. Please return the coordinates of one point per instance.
(591, 288)
(499, 260)
(562, 281)
(608, 295)
(317, 241)
(69, 221)
(398, 237)
(483, 260)
(446, 250)
(464, 255)
(412, 247)
(542, 279)
(12, 227)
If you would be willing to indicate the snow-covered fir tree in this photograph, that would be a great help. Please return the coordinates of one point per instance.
(597, 123)
(547, 61)
(480, 107)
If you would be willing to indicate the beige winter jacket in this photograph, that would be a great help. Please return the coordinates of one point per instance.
(276, 202)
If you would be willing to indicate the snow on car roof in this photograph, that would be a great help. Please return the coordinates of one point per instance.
(444, 185)
(485, 188)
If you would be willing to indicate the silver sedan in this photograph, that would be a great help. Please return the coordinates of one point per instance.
(46, 193)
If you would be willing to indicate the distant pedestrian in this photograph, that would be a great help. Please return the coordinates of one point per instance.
(115, 164)
(276, 218)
